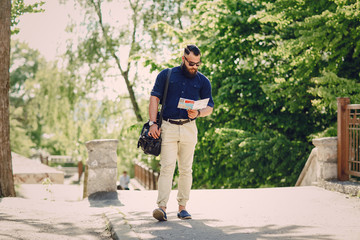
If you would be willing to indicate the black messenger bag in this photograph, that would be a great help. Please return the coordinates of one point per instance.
(147, 143)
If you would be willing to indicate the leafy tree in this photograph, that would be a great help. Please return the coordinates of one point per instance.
(314, 40)
(276, 68)
(24, 64)
(41, 97)
(125, 45)
(52, 112)
(18, 8)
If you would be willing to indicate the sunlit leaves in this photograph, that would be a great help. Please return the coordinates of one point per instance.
(277, 66)
(241, 159)
(18, 8)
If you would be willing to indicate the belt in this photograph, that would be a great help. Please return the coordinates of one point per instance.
(179, 122)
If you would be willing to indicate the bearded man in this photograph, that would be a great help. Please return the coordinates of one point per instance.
(178, 129)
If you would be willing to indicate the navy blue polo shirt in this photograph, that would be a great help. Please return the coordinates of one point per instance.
(181, 86)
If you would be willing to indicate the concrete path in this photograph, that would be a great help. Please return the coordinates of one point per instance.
(51, 220)
(246, 214)
(243, 214)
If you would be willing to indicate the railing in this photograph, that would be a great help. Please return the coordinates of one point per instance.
(56, 159)
(348, 139)
(61, 159)
(146, 176)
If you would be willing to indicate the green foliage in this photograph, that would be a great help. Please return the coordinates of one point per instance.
(53, 110)
(232, 158)
(329, 85)
(24, 63)
(50, 110)
(20, 141)
(276, 69)
(18, 8)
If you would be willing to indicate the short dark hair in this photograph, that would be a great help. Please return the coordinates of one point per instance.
(192, 48)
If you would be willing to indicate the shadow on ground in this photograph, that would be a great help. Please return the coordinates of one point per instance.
(141, 225)
(49, 220)
(104, 199)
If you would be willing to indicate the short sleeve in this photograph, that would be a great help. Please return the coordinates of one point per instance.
(158, 89)
(206, 91)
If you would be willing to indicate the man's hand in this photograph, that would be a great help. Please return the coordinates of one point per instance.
(154, 131)
(193, 113)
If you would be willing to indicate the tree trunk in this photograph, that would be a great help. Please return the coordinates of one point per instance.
(6, 176)
(130, 90)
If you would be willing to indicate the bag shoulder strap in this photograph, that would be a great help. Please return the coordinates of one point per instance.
(164, 97)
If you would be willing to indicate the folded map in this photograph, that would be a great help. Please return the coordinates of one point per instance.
(192, 104)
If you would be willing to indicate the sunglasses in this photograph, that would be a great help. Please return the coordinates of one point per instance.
(192, 63)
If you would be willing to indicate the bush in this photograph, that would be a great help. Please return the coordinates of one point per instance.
(231, 158)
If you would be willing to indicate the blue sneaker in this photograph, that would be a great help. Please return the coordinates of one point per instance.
(159, 214)
(184, 215)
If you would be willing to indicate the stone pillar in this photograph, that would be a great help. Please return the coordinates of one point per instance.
(102, 166)
(326, 158)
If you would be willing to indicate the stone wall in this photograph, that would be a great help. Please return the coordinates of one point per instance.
(321, 164)
(28, 171)
(321, 169)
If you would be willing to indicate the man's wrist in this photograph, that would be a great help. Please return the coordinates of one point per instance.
(198, 113)
(152, 123)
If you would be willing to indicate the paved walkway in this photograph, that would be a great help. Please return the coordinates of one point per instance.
(51, 220)
(246, 214)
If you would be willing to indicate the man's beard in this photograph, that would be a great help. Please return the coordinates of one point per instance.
(186, 71)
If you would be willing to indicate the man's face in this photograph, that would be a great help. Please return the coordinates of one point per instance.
(189, 60)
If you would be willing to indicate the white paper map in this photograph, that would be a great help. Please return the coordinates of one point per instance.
(192, 104)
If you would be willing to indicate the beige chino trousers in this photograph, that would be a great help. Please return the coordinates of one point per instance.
(178, 143)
